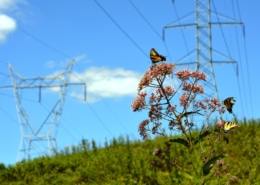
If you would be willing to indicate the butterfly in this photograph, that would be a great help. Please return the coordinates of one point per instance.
(155, 57)
(228, 126)
(228, 103)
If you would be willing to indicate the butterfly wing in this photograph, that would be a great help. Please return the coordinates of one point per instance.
(228, 103)
(155, 57)
(228, 126)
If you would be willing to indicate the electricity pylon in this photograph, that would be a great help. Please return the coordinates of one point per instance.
(47, 130)
(203, 25)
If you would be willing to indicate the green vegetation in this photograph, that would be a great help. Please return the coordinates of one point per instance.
(125, 162)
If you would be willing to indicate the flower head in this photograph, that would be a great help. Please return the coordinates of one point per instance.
(139, 102)
(220, 162)
(198, 75)
(154, 72)
(184, 99)
(142, 130)
(219, 124)
(193, 88)
(183, 74)
(233, 178)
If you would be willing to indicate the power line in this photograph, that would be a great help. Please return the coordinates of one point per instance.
(248, 76)
(240, 59)
(182, 33)
(100, 120)
(115, 116)
(151, 26)
(143, 17)
(120, 28)
(246, 58)
(44, 43)
(222, 33)
(9, 116)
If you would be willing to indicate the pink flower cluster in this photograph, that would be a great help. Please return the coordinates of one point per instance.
(184, 99)
(139, 102)
(154, 72)
(198, 75)
(213, 103)
(201, 105)
(220, 162)
(219, 124)
(183, 74)
(142, 129)
(186, 73)
(168, 90)
(193, 88)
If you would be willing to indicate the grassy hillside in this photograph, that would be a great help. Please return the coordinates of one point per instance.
(124, 162)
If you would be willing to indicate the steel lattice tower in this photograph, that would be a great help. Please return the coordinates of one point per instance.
(204, 50)
(47, 130)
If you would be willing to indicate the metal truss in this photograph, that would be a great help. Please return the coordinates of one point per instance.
(48, 128)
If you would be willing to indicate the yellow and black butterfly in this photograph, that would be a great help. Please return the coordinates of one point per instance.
(155, 57)
(228, 103)
(228, 126)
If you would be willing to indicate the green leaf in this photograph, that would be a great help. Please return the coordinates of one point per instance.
(181, 141)
(201, 136)
(206, 167)
(186, 175)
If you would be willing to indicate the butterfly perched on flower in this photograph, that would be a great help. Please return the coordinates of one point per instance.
(228, 103)
(228, 126)
(156, 57)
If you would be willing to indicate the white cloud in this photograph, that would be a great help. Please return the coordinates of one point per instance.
(107, 83)
(7, 25)
(8, 4)
(101, 83)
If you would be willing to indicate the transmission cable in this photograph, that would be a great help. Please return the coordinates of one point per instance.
(182, 33)
(240, 59)
(222, 33)
(151, 26)
(120, 28)
(100, 120)
(246, 58)
(44, 43)
(115, 116)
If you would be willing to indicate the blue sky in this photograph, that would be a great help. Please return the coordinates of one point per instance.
(39, 38)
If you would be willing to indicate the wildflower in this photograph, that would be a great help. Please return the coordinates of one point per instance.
(168, 90)
(142, 129)
(193, 88)
(233, 178)
(184, 99)
(139, 102)
(154, 112)
(201, 105)
(152, 98)
(198, 75)
(154, 72)
(183, 74)
(219, 124)
(213, 103)
(220, 162)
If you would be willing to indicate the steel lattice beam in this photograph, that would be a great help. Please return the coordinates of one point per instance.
(31, 132)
